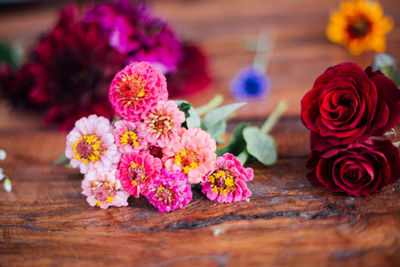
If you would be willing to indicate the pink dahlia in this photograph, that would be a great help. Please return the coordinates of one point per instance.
(137, 88)
(91, 144)
(170, 191)
(227, 182)
(128, 137)
(162, 122)
(102, 189)
(137, 172)
(191, 151)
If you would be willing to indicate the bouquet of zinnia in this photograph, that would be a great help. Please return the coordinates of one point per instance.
(155, 148)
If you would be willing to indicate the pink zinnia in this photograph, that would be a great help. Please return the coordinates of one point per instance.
(170, 191)
(137, 172)
(192, 152)
(128, 137)
(91, 144)
(227, 182)
(162, 122)
(102, 189)
(135, 89)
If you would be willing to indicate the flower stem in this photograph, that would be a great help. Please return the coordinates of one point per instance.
(215, 102)
(274, 117)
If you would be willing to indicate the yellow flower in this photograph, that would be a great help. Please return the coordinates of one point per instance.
(360, 25)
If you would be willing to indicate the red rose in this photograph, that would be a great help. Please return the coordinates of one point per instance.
(359, 169)
(348, 104)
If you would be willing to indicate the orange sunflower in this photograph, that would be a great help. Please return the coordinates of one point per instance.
(360, 25)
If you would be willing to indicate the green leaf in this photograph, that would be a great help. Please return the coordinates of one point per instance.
(260, 145)
(389, 66)
(192, 118)
(218, 129)
(214, 116)
(236, 144)
(61, 160)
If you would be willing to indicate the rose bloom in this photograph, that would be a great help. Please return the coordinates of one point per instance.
(137, 172)
(136, 89)
(348, 104)
(227, 182)
(359, 169)
(169, 191)
(102, 189)
(91, 144)
(192, 152)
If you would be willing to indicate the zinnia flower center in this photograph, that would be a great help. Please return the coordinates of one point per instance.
(137, 174)
(132, 89)
(129, 138)
(164, 195)
(103, 192)
(222, 181)
(359, 27)
(187, 159)
(88, 148)
(160, 124)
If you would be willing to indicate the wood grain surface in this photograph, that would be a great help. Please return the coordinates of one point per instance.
(287, 222)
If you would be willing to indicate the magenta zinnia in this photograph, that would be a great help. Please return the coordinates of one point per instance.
(137, 172)
(227, 182)
(192, 152)
(135, 89)
(170, 191)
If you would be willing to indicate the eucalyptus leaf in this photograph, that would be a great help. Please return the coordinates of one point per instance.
(192, 118)
(260, 145)
(214, 116)
(236, 144)
(217, 129)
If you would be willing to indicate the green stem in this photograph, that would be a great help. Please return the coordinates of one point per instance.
(215, 102)
(243, 157)
(274, 117)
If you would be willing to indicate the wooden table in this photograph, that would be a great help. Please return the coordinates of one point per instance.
(46, 221)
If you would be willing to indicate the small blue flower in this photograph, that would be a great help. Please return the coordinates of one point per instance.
(250, 83)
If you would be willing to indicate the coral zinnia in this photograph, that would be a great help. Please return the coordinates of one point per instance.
(170, 191)
(137, 172)
(128, 136)
(162, 122)
(91, 144)
(69, 72)
(136, 89)
(192, 152)
(227, 182)
(360, 25)
(102, 189)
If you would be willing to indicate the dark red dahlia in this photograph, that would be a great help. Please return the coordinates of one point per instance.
(192, 74)
(69, 72)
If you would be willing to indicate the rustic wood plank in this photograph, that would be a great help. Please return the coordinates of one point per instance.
(46, 221)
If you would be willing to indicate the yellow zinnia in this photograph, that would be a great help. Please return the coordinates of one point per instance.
(360, 25)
